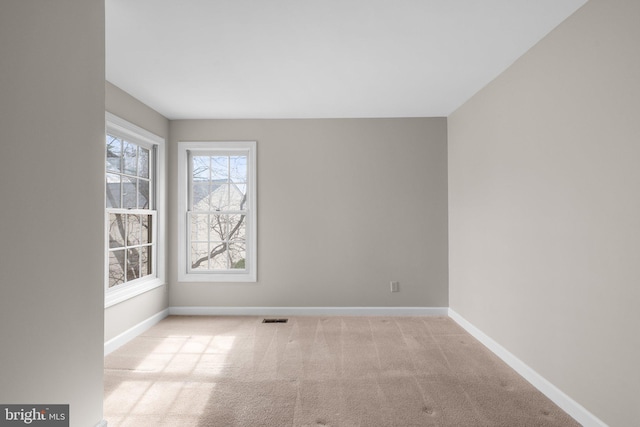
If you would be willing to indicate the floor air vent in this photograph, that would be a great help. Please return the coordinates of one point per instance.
(275, 320)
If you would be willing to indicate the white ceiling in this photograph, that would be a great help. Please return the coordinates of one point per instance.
(192, 59)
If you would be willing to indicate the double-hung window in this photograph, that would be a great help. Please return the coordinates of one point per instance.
(132, 218)
(218, 211)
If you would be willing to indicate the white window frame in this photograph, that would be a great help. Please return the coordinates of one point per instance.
(248, 148)
(119, 127)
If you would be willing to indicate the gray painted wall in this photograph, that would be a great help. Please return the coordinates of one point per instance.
(344, 207)
(120, 317)
(545, 209)
(51, 238)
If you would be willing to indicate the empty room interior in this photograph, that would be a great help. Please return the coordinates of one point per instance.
(398, 180)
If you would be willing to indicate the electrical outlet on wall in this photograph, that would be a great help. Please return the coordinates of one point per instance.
(395, 286)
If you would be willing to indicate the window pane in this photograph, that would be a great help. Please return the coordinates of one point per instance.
(129, 193)
(145, 261)
(242, 188)
(114, 154)
(133, 230)
(143, 194)
(130, 157)
(219, 226)
(146, 229)
(113, 190)
(117, 230)
(201, 168)
(116, 270)
(200, 196)
(199, 227)
(237, 255)
(238, 197)
(219, 256)
(238, 169)
(220, 197)
(220, 168)
(237, 228)
(199, 260)
(143, 163)
(133, 264)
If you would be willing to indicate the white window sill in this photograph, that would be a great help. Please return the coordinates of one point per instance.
(127, 291)
(216, 277)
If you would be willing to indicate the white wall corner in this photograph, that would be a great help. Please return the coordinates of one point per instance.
(133, 332)
(309, 311)
(557, 396)
(102, 423)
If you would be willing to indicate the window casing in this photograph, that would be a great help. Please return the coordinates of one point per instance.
(217, 226)
(134, 205)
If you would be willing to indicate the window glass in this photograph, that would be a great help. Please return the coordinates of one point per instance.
(130, 217)
(220, 223)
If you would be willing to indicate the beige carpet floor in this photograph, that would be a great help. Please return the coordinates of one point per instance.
(317, 371)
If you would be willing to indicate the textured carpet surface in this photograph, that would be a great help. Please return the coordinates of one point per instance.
(317, 371)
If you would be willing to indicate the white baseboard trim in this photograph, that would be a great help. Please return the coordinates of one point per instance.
(309, 311)
(570, 406)
(133, 332)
